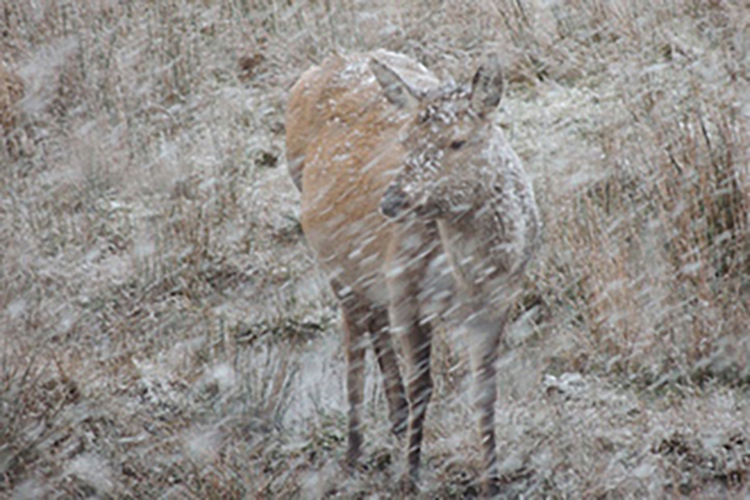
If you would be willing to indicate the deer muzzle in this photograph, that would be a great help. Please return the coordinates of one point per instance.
(394, 202)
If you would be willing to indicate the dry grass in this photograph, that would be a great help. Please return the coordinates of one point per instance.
(164, 332)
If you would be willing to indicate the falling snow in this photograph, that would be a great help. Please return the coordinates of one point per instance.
(167, 330)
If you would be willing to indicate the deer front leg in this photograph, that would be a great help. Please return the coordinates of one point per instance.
(416, 340)
(484, 339)
(413, 247)
(418, 346)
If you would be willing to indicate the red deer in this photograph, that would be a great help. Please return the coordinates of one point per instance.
(419, 211)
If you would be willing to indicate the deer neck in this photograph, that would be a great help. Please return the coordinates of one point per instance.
(477, 244)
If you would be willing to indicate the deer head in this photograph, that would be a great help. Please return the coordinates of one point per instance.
(444, 142)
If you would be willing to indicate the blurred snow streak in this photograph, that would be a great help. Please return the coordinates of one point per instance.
(164, 331)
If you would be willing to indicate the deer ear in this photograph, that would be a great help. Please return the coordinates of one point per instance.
(487, 85)
(396, 90)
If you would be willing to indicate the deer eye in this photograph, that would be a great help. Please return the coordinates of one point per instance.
(458, 144)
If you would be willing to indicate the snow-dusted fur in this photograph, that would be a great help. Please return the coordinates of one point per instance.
(418, 210)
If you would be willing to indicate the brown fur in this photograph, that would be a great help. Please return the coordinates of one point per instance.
(375, 134)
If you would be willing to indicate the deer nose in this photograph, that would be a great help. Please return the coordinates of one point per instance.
(393, 202)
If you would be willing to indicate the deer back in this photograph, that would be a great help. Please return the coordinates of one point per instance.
(342, 151)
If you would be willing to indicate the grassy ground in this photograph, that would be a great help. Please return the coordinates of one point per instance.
(164, 332)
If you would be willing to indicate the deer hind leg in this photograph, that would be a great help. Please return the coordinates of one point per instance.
(354, 319)
(398, 409)
(484, 341)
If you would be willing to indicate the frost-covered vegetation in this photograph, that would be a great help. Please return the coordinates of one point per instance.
(164, 331)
